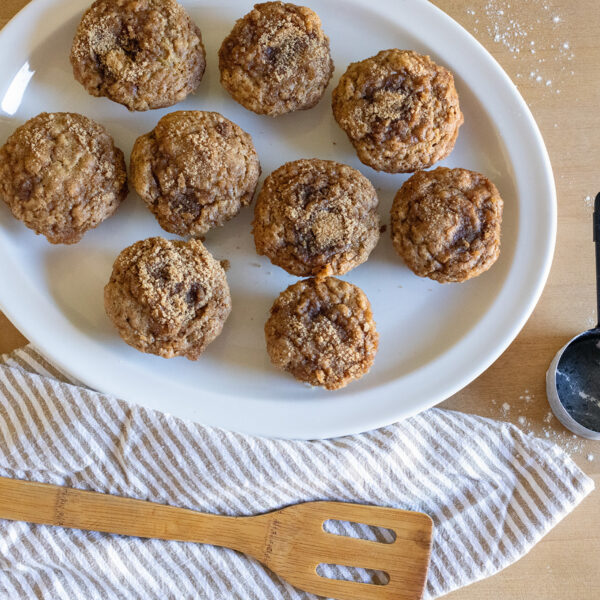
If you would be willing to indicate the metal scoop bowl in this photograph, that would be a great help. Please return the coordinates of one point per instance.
(573, 378)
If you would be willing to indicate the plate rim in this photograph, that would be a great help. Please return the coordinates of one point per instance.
(297, 429)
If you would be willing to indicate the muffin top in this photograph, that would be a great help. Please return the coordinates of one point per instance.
(321, 330)
(276, 59)
(168, 297)
(446, 224)
(316, 215)
(61, 174)
(143, 54)
(399, 109)
(195, 170)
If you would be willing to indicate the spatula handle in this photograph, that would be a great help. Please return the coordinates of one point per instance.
(47, 504)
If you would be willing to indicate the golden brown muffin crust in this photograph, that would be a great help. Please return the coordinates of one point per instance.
(322, 332)
(314, 214)
(61, 174)
(276, 59)
(195, 170)
(399, 109)
(143, 54)
(446, 224)
(168, 297)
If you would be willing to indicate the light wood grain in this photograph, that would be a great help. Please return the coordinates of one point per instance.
(290, 541)
(564, 565)
(10, 338)
(9, 8)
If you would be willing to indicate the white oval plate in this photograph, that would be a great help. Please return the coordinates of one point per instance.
(434, 339)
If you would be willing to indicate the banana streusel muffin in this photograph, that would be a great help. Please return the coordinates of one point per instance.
(276, 59)
(316, 216)
(399, 109)
(143, 54)
(446, 224)
(321, 330)
(61, 174)
(168, 297)
(195, 170)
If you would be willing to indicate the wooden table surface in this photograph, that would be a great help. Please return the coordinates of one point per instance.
(550, 49)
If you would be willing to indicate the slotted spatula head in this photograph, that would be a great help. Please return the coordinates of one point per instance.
(297, 543)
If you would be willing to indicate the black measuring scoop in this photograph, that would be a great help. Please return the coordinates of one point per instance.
(573, 378)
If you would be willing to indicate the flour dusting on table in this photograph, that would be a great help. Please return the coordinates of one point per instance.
(551, 429)
(503, 21)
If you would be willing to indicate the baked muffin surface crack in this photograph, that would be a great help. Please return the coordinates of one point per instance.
(195, 170)
(446, 224)
(399, 109)
(276, 59)
(144, 54)
(61, 174)
(315, 215)
(168, 297)
(321, 330)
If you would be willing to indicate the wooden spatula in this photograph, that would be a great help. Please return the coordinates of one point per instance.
(290, 541)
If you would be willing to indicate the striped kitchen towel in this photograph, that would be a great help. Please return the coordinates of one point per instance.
(491, 490)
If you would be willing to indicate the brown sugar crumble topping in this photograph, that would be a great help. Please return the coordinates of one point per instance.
(195, 170)
(399, 109)
(168, 298)
(446, 224)
(61, 174)
(276, 59)
(322, 332)
(314, 216)
(143, 54)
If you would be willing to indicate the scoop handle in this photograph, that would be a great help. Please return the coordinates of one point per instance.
(597, 242)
